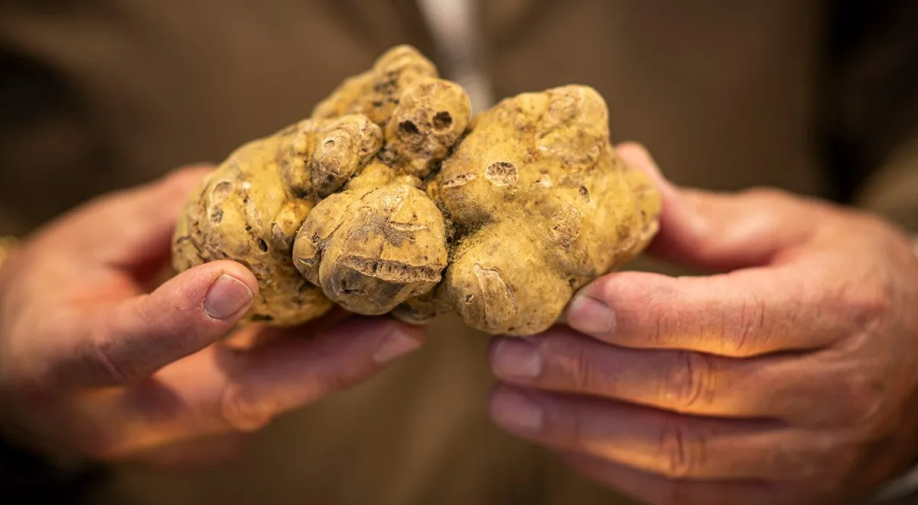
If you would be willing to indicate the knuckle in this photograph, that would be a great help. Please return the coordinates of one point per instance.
(750, 336)
(860, 398)
(243, 413)
(337, 381)
(115, 358)
(575, 361)
(94, 360)
(690, 382)
(682, 453)
(341, 378)
(656, 323)
(103, 360)
(658, 328)
(338, 376)
(865, 307)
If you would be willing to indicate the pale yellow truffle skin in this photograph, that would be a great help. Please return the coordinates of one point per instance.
(250, 208)
(382, 241)
(372, 247)
(542, 205)
(391, 199)
(431, 116)
(376, 92)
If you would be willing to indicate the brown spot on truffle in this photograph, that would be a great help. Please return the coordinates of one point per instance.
(566, 225)
(408, 129)
(442, 120)
(502, 173)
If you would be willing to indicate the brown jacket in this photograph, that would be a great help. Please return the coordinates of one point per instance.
(813, 96)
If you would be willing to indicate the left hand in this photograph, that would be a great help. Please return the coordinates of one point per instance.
(102, 362)
(793, 379)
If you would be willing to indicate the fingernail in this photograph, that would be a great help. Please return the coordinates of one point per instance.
(397, 343)
(516, 358)
(589, 315)
(514, 411)
(226, 297)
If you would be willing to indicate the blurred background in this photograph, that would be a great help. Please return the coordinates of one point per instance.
(816, 97)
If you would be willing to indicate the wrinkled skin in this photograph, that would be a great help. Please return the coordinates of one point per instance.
(790, 379)
(390, 200)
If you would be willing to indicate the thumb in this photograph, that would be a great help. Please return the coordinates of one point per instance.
(717, 231)
(135, 337)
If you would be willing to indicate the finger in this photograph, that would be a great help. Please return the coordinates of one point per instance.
(259, 335)
(779, 386)
(194, 454)
(724, 232)
(129, 229)
(750, 312)
(663, 443)
(220, 391)
(656, 490)
(135, 337)
(292, 373)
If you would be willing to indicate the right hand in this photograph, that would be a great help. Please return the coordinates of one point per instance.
(95, 365)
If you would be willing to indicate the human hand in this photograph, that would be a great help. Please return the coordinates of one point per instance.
(793, 379)
(93, 364)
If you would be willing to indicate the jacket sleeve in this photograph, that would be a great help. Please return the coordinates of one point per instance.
(871, 106)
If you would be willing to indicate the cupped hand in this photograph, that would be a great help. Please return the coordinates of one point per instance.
(791, 379)
(98, 362)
